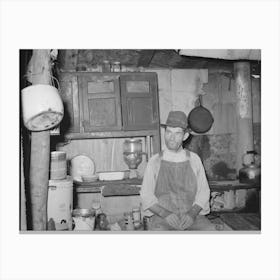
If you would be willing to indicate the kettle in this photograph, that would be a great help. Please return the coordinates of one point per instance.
(251, 172)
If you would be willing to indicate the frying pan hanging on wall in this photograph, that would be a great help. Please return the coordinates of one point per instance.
(200, 119)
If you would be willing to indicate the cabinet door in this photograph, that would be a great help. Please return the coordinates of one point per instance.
(101, 102)
(139, 98)
(70, 97)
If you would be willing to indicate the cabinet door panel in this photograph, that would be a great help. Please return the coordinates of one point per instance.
(138, 86)
(139, 101)
(101, 87)
(102, 112)
(70, 97)
(140, 111)
(101, 102)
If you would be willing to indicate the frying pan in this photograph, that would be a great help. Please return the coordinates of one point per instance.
(200, 119)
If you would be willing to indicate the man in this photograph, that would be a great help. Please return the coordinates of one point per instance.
(175, 190)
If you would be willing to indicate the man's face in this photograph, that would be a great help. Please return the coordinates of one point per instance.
(173, 137)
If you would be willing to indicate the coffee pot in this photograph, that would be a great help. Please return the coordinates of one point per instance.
(251, 172)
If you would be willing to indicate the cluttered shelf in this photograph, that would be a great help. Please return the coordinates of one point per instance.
(132, 186)
(230, 185)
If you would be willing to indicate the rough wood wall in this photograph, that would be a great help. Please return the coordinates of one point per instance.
(220, 100)
(217, 148)
(107, 154)
(178, 90)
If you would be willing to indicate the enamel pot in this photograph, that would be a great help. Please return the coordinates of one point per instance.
(42, 107)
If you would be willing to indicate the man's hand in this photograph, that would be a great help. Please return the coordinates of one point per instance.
(173, 220)
(187, 220)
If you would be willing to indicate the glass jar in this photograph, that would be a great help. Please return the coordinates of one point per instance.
(136, 216)
(116, 66)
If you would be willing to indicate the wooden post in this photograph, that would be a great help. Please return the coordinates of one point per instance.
(23, 222)
(244, 119)
(39, 72)
(244, 110)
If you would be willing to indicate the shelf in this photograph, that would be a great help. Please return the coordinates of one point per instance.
(134, 181)
(95, 187)
(230, 185)
(122, 187)
(111, 134)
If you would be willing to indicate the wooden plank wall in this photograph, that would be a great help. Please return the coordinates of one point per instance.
(106, 153)
(177, 91)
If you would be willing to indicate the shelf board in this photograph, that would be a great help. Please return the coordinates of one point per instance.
(134, 181)
(94, 187)
(111, 134)
(230, 185)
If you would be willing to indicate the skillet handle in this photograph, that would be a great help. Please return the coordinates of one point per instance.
(199, 100)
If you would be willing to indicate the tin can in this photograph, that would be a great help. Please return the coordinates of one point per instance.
(83, 219)
(101, 222)
(116, 67)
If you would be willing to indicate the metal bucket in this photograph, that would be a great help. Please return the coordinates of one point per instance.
(83, 219)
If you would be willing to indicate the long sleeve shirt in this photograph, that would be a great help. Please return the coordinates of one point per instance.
(150, 177)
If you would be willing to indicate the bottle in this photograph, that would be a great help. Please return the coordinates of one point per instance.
(128, 221)
(136, 216)
(146, 223)
(101, 222)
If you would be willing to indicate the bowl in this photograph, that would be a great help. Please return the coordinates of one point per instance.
(83, 212)
(113, 175)
(82, 165)
(90, 178)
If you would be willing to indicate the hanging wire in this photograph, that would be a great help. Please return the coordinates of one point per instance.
(54, 80)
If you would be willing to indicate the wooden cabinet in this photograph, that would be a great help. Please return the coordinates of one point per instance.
(139, 101)
(70, 97)
(102, 105)
(101, 108)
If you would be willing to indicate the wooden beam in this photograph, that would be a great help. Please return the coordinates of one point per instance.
(39, 72)
(244, 110)
(39, 178)
(23, 222)
(145, 58)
